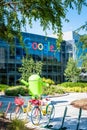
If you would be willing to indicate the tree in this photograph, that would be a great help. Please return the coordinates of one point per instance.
(83, 39)
(83, 27)
(13, 15)
(29, 66)
(72, 71)
(84, 62)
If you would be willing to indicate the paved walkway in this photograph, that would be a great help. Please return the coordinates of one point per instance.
(72, 114)
(71, 119)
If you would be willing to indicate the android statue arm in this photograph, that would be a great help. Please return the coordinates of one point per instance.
(27, 84)
(24, 82)
(45, 84)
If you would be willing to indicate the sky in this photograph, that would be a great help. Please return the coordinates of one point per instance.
(75, 21)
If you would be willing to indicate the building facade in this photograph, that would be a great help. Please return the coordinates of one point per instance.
(42, 48)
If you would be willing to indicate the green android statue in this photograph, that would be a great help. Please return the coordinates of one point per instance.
(35, 85)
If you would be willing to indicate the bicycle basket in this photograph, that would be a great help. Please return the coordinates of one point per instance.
(19, 101)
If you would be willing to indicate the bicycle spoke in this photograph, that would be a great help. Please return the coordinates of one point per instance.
(35, 115)
(16, 113)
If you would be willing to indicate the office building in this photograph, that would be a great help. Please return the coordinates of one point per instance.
(42, 48)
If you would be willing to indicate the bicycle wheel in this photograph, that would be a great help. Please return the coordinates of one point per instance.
(36, 115)
(16, 113)
(45, 118)
(50, 111)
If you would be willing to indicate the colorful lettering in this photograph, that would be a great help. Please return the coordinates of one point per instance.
(34, 45)
(52, 48)
(46, 47)
(40, 46)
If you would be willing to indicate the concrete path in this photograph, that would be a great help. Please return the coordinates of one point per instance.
(71, 119)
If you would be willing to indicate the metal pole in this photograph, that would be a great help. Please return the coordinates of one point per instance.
(64, 117)
(79, 117)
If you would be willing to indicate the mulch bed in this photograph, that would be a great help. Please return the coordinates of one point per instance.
(4, 123)
(81, 103)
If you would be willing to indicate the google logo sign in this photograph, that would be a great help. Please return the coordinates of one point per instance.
(39, 46)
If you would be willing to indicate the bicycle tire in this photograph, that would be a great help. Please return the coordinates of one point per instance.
(45, 118)
(16, 115)
(50, 111)
(35, 115)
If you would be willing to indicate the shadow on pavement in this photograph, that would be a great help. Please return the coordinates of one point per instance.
(57, 102)
(69, 124)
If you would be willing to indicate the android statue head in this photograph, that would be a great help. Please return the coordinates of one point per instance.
(34, 85)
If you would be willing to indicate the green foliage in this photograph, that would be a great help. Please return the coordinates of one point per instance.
(72, 84)
(49, 81)
(75, 3)
(72, 71)
(17, 125)
(83, 39)
(52, 90)
(84, 63)
(3, 87)
(14, 91)
(29, 66)
(15, 14)
(74, 87)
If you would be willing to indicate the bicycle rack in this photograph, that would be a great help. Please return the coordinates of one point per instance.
(5, 111)
(64, 128)
(61, 128)
(79, 117)
(65, 112)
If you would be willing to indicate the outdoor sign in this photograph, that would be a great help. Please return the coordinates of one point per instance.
(39, 48)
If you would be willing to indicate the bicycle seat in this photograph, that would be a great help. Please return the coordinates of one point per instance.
(19, 101)
(35, 102)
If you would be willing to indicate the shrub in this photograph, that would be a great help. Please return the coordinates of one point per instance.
(49, 81)
(14, 91)
(72, 84)
(74, 87)
(3, 87)
(52, 90)
(17, 125)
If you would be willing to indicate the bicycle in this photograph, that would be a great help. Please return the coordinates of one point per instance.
(35, 109)
(21, 107)
(42, 111)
